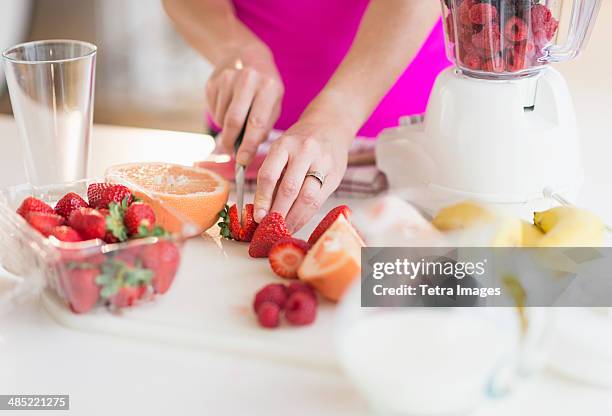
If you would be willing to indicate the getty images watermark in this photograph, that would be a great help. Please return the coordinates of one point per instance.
(475, 276)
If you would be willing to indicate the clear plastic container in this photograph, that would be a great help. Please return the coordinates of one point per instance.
(89, 273)
(501, 39)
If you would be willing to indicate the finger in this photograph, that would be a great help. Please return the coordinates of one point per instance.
(235, 117)
(309, 201)
(267, 178)
(291, 183)
(211, 99)
(262, 117)
(224, 87)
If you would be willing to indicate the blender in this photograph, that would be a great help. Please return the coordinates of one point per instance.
(500, 126)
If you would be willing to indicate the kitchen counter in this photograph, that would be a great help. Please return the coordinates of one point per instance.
(111, 375)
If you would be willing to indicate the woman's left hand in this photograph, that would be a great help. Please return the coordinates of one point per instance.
(314, 143)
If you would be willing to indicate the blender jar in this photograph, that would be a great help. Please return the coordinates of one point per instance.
(512, 38)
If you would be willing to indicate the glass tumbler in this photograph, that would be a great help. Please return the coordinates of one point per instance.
(51, 85)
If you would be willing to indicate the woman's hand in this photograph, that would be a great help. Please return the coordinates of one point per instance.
(315, 143)
(245, 82)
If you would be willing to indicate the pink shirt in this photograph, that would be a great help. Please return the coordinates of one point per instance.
(309, 39)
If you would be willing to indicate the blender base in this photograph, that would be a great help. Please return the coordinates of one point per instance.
(490, 141)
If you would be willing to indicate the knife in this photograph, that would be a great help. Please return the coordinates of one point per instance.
(239, 172)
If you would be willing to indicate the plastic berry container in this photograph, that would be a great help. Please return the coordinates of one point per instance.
(86, 274)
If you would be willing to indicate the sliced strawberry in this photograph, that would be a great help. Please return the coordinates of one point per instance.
(139, 219)
(163, 259)
(31, 204)
(287, 255)
(88, 222)
(327, 221)
(80, 287)
(271, 229)
(69, 203)
(44, 222)
(230, 224)
(66, 234)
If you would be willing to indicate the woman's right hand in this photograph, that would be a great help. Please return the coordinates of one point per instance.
(245, 82)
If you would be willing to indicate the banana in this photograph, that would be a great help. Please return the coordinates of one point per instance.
(478, 221)
(531, 234)
(569, 227)
(463, 215)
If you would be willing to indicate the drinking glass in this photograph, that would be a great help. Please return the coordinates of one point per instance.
(51, 85)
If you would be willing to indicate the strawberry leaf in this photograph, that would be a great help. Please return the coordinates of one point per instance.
(114, 221)
(138, 277)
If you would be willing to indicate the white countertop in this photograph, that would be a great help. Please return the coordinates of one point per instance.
(110, 375)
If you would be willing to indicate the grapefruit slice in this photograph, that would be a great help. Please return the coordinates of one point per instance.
(198, 195)
(334, 261)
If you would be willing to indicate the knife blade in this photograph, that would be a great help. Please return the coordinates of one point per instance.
(239, 172)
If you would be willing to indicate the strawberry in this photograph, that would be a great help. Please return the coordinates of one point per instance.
(286, 256)
(110, 237)
(88, 222)
(116, 230)
(66, 234)
(327, 221)
(102, 194)
(81, 290)
(271, 229)
(139, 219)
(122, 283)
(95, 192)
(163, 259)
(127, 296)
(69, 203)
(44, 222)
(230, 224)
(31, 204)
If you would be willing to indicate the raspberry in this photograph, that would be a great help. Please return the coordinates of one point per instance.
(472, 61)
(268, 314)
(488, 40)
(274, 292)
(494, 64)
(483, 13)
(301, 309)
(464, 12)
(515, 60)
(296, 287)
(516, 30)
(540, 16)
(550, 28)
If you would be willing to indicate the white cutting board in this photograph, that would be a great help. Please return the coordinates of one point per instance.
(210, 306)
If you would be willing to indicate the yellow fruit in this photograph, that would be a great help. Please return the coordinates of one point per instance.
(569, 227)
(334, 262)
(531, 234)
(463, 215)
(196, 194)
(498, 230)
